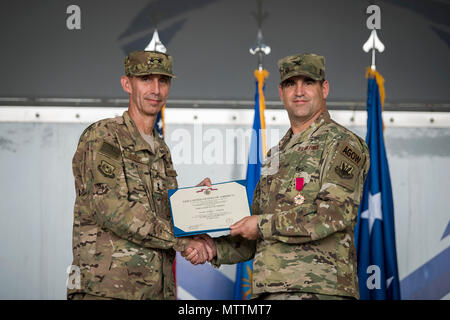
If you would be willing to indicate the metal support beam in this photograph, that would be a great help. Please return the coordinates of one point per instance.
(214, 104)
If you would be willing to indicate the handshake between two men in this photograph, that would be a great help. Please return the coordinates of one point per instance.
(202, 248)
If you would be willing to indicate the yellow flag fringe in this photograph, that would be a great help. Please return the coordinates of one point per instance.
(370, 73)
(261, 76)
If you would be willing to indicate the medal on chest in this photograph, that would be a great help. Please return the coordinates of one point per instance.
(299, 199)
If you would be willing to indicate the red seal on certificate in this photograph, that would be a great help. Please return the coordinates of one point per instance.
(299, 199)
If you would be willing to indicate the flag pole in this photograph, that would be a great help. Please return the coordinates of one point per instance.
(260, 49)
(373, 44)
(375, 231)
(243, 284)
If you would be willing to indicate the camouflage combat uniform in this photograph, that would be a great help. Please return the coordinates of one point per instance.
(123, 235)
(123, 242)
(306, 247)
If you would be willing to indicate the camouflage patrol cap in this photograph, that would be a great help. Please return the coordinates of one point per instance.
(142, 63)
(306, 64)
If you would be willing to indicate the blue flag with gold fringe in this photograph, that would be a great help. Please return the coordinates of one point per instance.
(375, 232)
(244, 270)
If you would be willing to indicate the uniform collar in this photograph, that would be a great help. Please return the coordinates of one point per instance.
(289, 140)
(137, 142)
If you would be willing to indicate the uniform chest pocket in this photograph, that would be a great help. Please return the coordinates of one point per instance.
(163, 177)
(291, 167)
(137, 178)
(309, 213)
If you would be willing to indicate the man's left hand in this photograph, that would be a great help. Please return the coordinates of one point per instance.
(246, 227)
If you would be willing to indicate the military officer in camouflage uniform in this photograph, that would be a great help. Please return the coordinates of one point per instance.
(301, 232)
(123, 242)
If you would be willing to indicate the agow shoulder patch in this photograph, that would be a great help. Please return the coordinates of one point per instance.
(346, 165)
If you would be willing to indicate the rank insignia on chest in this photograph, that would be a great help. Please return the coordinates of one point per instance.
(344, 170)
(299, 199)
(106, 169)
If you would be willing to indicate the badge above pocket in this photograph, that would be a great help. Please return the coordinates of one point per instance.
(110, 151)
